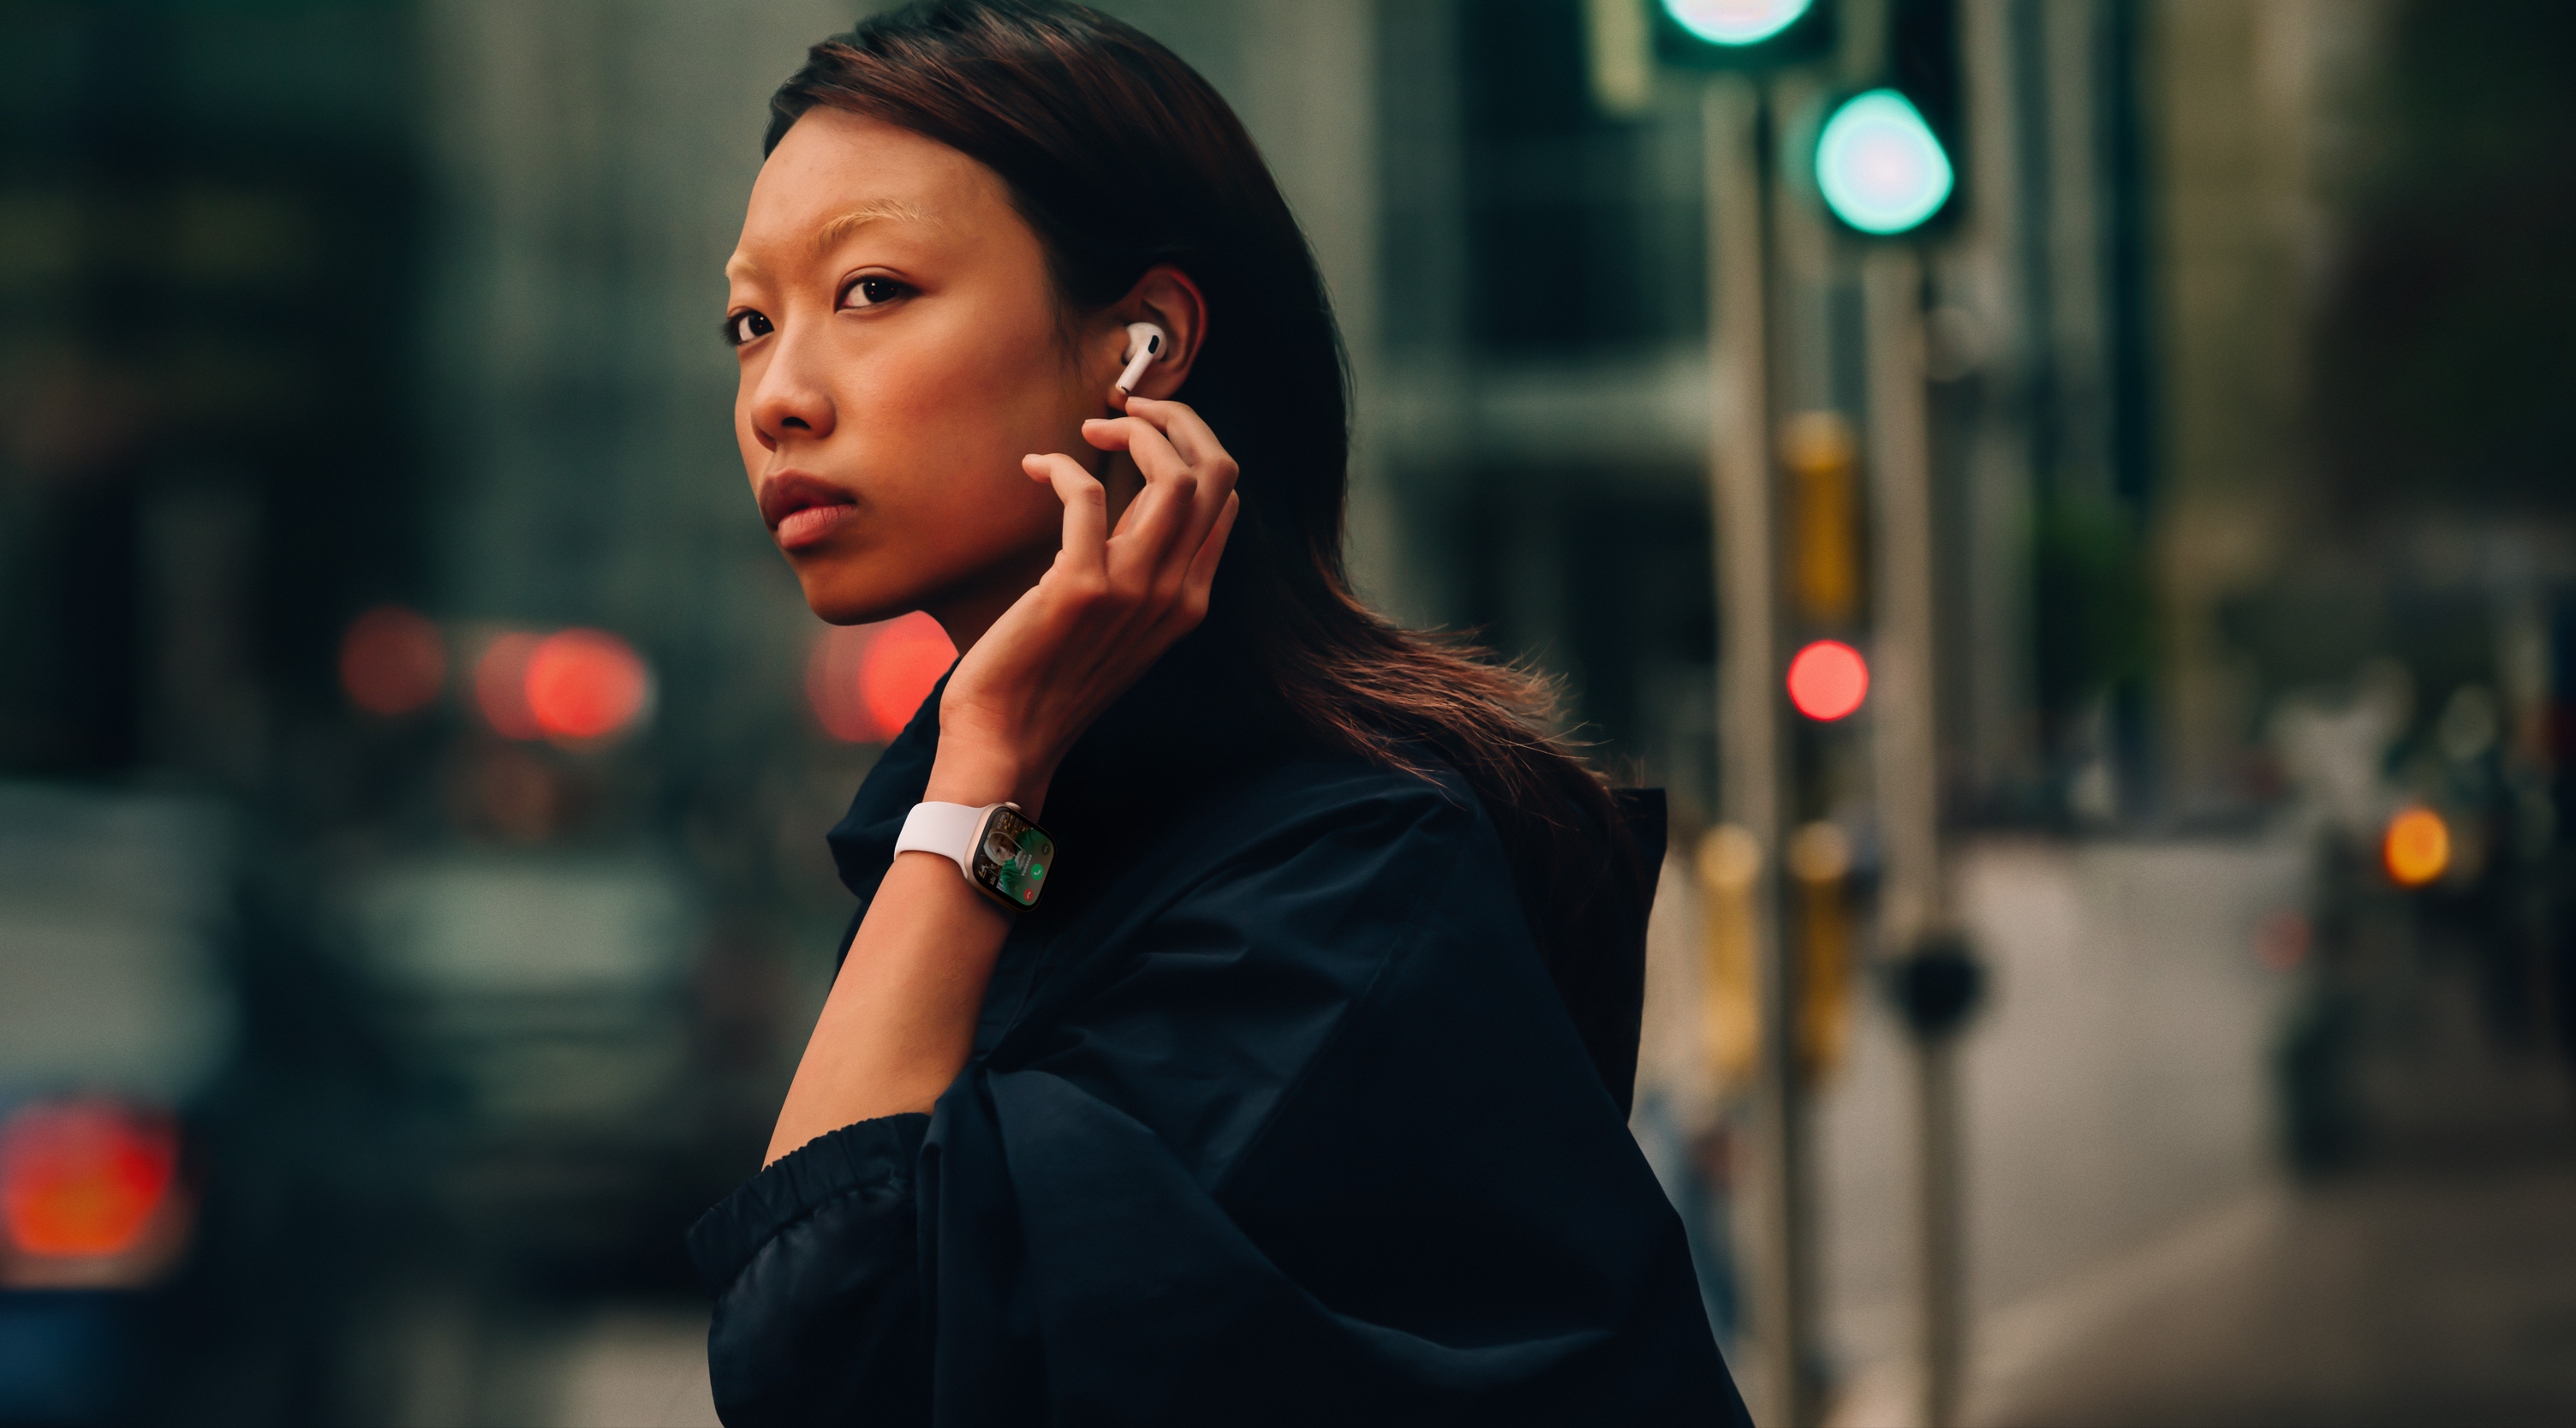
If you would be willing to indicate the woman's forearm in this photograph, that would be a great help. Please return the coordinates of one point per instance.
(900, 1020)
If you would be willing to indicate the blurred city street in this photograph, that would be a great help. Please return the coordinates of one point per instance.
(2436, 1282)
(2074, 501)
(2427, 1293)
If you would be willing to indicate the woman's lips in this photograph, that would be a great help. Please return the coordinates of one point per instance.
(804, 527)
(801, 508)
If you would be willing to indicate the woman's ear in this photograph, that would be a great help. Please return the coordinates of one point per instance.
(1167, 298)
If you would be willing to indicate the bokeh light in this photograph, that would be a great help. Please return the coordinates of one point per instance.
(864, 682)
(2417, 848)
(1735, 22)
(1879, 166)
(586, 684)
(392, 661)
(82, 1178)
(1828, 680)
(501, 685)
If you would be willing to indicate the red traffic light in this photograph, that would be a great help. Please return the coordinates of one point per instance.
(1828, 680)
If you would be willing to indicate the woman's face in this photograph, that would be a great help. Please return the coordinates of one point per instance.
(901, 351)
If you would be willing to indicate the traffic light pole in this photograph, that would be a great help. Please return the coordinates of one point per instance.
(1911, 891)
(1752, 748)
(1901, 695)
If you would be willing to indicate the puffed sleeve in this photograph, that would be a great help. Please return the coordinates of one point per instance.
(1291, 1129)
(820, 1313)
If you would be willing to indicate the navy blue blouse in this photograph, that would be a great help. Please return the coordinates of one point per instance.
(1273, 1116)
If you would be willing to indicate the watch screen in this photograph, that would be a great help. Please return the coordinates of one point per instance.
(1013, 856)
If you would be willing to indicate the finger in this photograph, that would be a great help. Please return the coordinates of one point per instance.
(1192, 603)
(1211, 468)
(1169, 481)
(1188, 432)
(1156, 425)
(1153, 540)
(1086, 510)
(1153, 451)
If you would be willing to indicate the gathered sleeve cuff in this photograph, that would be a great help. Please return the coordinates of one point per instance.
(869, 1161)
(814, 1267)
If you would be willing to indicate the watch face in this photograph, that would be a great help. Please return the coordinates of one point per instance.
(1012, 857)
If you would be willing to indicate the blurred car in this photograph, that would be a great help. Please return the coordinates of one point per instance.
(115, 1015)
(541, 1001)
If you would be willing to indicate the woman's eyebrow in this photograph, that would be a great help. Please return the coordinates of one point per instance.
(841, 226)
(837, 228)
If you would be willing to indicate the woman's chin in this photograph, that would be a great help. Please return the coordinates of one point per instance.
(838, 600)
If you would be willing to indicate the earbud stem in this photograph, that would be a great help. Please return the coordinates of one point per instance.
(1135, 373)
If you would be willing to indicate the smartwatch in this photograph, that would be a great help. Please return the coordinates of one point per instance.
(999, 850)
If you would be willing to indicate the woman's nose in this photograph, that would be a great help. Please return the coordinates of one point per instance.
(790, 402)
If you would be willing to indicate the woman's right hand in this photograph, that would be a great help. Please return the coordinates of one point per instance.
(1108, 607)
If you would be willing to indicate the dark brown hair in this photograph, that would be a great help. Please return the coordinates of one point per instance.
(1121, 158)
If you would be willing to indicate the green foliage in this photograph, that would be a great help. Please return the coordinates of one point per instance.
(2093, 607)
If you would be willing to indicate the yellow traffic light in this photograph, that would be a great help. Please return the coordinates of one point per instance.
(1823, 457)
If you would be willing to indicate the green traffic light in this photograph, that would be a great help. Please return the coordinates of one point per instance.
(1879, 166)
(1736, 22)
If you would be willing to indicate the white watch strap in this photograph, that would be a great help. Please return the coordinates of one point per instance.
(947, 829)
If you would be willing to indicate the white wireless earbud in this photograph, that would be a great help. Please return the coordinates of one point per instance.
(1146, 344)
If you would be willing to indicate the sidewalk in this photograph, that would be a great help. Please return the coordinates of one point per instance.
(2403, 1297)
(2414, 1296)
(2435, 1284)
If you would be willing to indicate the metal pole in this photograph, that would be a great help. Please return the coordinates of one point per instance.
(1750, 744)
(1901, 713)
(1943, 1324)
(1903, 720)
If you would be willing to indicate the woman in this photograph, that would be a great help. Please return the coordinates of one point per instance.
(1297, 1097)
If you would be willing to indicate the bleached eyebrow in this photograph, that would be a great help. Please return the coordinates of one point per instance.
(842, 226)
(836, 229)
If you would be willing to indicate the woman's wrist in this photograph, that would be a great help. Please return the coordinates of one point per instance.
(973, 774)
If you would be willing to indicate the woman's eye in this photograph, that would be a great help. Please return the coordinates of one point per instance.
(743, 326)
(872, 291)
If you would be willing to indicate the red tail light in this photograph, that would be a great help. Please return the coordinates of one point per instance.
(83, 1179)
(865, 681)
(586, 684)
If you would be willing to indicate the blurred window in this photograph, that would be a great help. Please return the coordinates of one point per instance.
(1582, 231)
